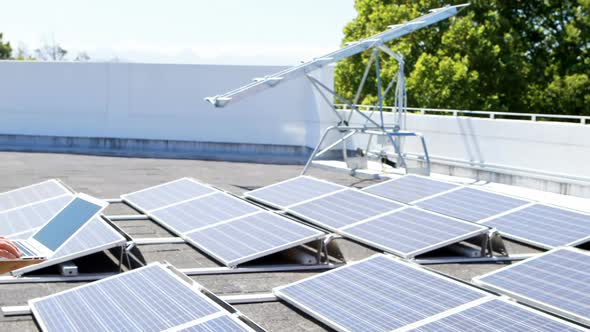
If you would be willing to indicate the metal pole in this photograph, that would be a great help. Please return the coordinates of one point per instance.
(312, 156)
(257, 269)
(379, 96)
(128, 217)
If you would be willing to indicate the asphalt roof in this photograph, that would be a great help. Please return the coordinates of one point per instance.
(109, 177)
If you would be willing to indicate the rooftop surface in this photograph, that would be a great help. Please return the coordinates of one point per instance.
(109, 177)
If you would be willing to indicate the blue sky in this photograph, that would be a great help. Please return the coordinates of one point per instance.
(272, 32)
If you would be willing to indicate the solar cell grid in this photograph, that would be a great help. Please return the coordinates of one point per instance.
(202, 212)
(146, 299)
(496, 315)
(16, 221)
(409, 188)
(30, 194)
(165, 194)
(470, 204)
(544, 226)
(249, 237)
(343, 208)
(411, 231)
(292, 191)
(557, 281)
(377, 294)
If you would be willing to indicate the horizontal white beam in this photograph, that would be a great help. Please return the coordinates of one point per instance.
(249, 298)
(128, 217)
(158, 240)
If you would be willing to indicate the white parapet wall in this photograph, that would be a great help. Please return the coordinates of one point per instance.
(552, 156)
(158, 110)
(155, 108)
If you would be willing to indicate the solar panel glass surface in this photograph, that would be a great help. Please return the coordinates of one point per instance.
(471, 204)
(293, 191)
(203, 211)
(412, 231)
(558, 281)
(544, 226)
(497, 316)
(377, 294)
(409, 188)
(165, 194)
(30, 194)
(146, 299)
(252, 236)
(343, 208)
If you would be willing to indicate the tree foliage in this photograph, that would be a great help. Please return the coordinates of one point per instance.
(5, 49)
(518, 56)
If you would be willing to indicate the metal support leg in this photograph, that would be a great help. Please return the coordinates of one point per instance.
(315, 151)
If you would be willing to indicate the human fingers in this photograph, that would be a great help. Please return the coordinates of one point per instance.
(7, 246)
(7, 254)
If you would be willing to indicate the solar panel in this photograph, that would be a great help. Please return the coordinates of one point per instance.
(151, 298)
(232, 230)
(543, 226)
(247, 238)
(411, 231)
(223, 323)
(343, 208)
(470, 204)
(494, 315)
(201, 212)
(292, 191)
(167, 193)
(19, 222)
(30, 194)
(409, 188)
(377, 294)
(557, 281)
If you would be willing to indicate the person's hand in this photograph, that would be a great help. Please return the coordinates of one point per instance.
(7, 249)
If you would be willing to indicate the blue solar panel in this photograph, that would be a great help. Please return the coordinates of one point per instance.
(31, 194)
(544, 226)
(471, 204)
(411, 231)
(223, 323)
(146, 299)
(343, 208)
(201, 212)
(409, 188)
(292, 191)
(165, 194)
(497, 316)
(377, 294)
(558, 281)
(253, 236)
(19, 222)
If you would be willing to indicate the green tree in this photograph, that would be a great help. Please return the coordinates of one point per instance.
(5, 49)
(519, 56)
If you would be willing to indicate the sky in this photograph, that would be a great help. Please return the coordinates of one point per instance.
(256, 32)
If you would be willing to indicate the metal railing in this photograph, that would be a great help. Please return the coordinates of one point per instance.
(481, 114)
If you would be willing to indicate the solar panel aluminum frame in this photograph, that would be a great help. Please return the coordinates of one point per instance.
(278, 207)
(130, 203)
(234, 263)
(193, 285)
(336, 230)
(531, 242)
(336, 326)
(50, 262)
(529, 301)
(484, 230)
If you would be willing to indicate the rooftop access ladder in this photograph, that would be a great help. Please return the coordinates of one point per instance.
(393, 132)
